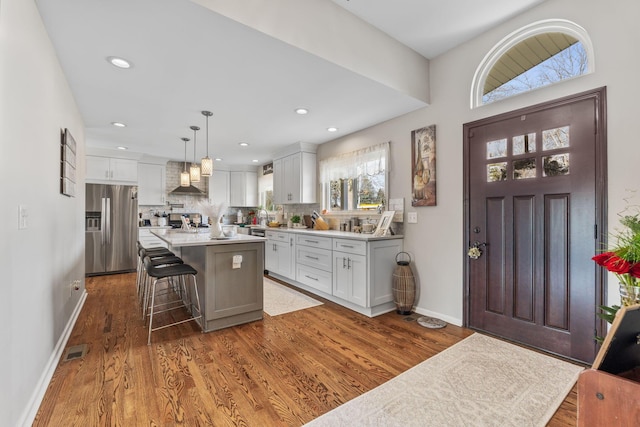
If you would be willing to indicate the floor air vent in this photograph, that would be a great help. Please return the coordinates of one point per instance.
(75, 352)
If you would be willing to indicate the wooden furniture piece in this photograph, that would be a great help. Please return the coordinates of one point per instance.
(609, 392)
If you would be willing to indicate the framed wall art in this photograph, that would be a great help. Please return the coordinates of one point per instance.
(384, 223)
(67, 164)
(423, 166)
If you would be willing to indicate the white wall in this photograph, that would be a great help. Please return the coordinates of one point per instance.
(436, 242)
(38, 263)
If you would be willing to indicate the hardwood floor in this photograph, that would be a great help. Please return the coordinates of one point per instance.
(281, 371)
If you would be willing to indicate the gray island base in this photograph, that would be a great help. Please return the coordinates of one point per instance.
(230, 275)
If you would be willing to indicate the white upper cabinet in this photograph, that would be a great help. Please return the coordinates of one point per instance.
(219, 190)
(244, 188)
(294, 178)
(109, 169)
(151, 184)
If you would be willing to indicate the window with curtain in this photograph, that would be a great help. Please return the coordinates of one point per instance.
(355, 180)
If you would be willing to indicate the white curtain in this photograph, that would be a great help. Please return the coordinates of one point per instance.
(370, 161)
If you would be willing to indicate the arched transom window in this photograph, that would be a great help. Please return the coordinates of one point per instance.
(537, 55)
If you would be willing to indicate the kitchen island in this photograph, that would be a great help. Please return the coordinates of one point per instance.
(230, 275)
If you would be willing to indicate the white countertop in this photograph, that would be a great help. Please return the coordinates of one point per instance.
(332, 233)
(178, 238)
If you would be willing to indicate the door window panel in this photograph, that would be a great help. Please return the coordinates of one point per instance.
(497, 172)
(523, 144)
(555, 165)
(497, 148)
(524, 168)
(555, 138)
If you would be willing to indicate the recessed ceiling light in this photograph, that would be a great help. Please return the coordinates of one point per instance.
(301, 110)
(118, 124)
(255, 160)
(243, 144)
(332, 129)
(119, 62)
(218, 159)
(122, 148)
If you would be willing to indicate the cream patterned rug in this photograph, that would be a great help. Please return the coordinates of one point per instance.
(279, 299)
(480, 381)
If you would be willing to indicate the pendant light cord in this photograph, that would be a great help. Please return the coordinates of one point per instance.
(185, 153)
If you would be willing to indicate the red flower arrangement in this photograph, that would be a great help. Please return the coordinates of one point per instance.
(624, 259)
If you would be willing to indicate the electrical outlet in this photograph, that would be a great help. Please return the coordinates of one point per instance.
(412, 217)
(74, 286)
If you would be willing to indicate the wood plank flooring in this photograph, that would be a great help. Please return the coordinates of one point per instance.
(281, 371)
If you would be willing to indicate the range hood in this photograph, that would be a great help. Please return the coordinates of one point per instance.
(190, 190)
(174, 169)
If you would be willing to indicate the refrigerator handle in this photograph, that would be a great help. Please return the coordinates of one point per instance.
(108, 215)
(103, 219)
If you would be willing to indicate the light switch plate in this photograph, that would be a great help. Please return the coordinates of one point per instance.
(23, 213)
(412, 217)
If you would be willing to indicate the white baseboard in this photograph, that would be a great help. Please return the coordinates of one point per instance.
(31, 410)
(448, 319)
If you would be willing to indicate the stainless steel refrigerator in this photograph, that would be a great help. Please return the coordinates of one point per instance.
(111, 228)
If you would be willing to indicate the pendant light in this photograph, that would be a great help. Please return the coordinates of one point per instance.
(206, 164)
(194, 171)
(184, 175)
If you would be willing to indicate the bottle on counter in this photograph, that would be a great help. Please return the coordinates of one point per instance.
(239, 217)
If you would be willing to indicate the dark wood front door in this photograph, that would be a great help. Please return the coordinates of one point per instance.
(534, 208)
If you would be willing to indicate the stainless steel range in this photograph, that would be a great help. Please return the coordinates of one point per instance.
(175, 219)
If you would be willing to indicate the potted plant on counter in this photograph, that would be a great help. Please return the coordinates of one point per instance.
(295, 220)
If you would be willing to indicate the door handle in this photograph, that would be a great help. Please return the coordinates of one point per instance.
(344, 261)
(349, 263)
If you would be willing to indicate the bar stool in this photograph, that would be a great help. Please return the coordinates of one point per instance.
(154, 252)
(157, 259)
(185, 298)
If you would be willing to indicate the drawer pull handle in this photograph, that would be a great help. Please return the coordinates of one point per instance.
(347, 246)
(312, 257)
(311, 241)
(309, 277)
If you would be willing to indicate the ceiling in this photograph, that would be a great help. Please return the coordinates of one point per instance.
(187, 58)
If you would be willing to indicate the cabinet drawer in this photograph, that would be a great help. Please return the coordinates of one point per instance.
(277, 235)
(318, 258)
(350, 246)
(314, 277)
(314, 241)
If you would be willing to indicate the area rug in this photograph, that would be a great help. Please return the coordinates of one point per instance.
(480, 381)
(279, 299)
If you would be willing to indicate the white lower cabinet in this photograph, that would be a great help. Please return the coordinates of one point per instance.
(279, 253)
(314, 265)
(355, 273)
(350, 277)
